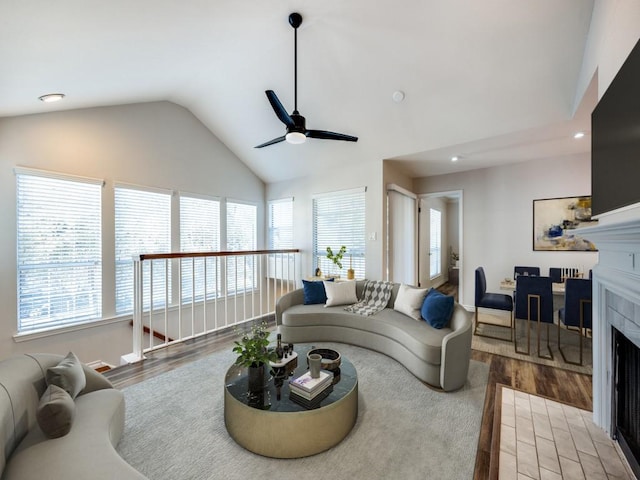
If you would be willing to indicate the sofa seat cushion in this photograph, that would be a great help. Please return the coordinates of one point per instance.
(87, 451)
(419, 337)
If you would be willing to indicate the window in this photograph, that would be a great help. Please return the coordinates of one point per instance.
(199, 232)
(242, 220)
(143, 225)
(339, 219)
(280, 224)
(435, 254)
(59, 250)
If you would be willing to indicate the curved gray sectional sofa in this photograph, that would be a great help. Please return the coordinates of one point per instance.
(439, 357)
(86, 452)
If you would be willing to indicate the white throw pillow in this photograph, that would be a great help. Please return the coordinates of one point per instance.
(340, 293)
(409, 301)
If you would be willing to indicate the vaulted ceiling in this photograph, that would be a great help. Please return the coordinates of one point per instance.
(492, 81)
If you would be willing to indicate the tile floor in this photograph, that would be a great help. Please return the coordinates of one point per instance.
(545, 440)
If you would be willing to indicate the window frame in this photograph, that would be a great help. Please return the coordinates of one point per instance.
(271, 228)
(158, 271)
(355, 254)
(94, 261)
(214, 287)
(231, 264)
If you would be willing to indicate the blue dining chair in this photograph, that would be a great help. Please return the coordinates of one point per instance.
(526, 271)
(534, 302)
(577, 311)
(495, 301)
(559, 275)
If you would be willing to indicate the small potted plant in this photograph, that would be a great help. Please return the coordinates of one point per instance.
(336, 258)
(254, 353)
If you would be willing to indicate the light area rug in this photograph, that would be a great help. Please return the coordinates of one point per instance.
(175, 430)
(569, 341)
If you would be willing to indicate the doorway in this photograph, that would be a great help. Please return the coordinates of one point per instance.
(440, 256)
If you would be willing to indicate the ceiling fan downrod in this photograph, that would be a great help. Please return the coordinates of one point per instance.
(295, 20)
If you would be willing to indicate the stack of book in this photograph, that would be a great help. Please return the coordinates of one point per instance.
(309, 388)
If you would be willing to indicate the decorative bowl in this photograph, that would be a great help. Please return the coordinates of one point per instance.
(330, 358)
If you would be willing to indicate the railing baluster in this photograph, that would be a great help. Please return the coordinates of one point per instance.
(138, 309)
(259, 282)
(179, 300)
(166, 300)
(226, 290)
(215, 298)
(193, 297)
(204, 297)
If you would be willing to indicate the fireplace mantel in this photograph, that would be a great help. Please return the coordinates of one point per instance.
(616, 303)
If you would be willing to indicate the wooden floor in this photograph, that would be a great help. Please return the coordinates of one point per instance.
(561, 385)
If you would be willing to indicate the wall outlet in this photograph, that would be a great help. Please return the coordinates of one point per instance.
(373, 236)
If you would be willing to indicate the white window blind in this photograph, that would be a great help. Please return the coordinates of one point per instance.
(199, 232)
(339, 219)
(281, 224)
(59, 257)
(143, 226)
(242, 221)
(435, 249)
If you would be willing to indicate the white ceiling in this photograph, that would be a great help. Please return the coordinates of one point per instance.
(491, 81)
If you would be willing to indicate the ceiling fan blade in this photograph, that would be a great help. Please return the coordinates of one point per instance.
(323, 134)
(271, 142)
(281, 113)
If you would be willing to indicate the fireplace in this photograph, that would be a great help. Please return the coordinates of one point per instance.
(616, 332)
(626, 399)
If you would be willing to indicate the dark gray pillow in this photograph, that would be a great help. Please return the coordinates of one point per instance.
(56, 412)
(68, 375)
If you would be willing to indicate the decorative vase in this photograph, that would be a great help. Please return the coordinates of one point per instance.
(256, 377)
(351, 274)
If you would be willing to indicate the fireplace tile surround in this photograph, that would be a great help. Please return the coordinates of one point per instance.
(616, 304)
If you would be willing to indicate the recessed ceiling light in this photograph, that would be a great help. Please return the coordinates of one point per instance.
(398, 96)
(52, 97)
(455, 158)
(578, 135)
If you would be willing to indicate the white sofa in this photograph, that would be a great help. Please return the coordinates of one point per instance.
(86, 452)
(439, 357)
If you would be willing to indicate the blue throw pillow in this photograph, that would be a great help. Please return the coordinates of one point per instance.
(437, 309)
(314, 292)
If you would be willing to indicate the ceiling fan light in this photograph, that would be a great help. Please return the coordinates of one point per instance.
(295, 137)
(51, 97)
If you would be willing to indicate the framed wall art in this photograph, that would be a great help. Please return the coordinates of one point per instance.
(556, 222)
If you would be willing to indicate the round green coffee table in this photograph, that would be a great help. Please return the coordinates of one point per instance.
(272, 423)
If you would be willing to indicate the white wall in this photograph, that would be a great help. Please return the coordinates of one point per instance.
(350, 176)
(153, 144)
(498, 215)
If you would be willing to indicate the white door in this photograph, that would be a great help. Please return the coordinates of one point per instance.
(401, 246)
(439, 237)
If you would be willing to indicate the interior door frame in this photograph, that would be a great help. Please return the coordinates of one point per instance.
(459, 194)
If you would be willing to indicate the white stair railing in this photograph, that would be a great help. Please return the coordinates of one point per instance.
(180, 296)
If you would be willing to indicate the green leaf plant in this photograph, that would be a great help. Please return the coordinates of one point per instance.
(252, 348)
(336, 258)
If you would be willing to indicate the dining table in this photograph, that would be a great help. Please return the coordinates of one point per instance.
(556, 288)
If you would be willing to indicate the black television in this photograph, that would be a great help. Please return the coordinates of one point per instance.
(615, 140)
